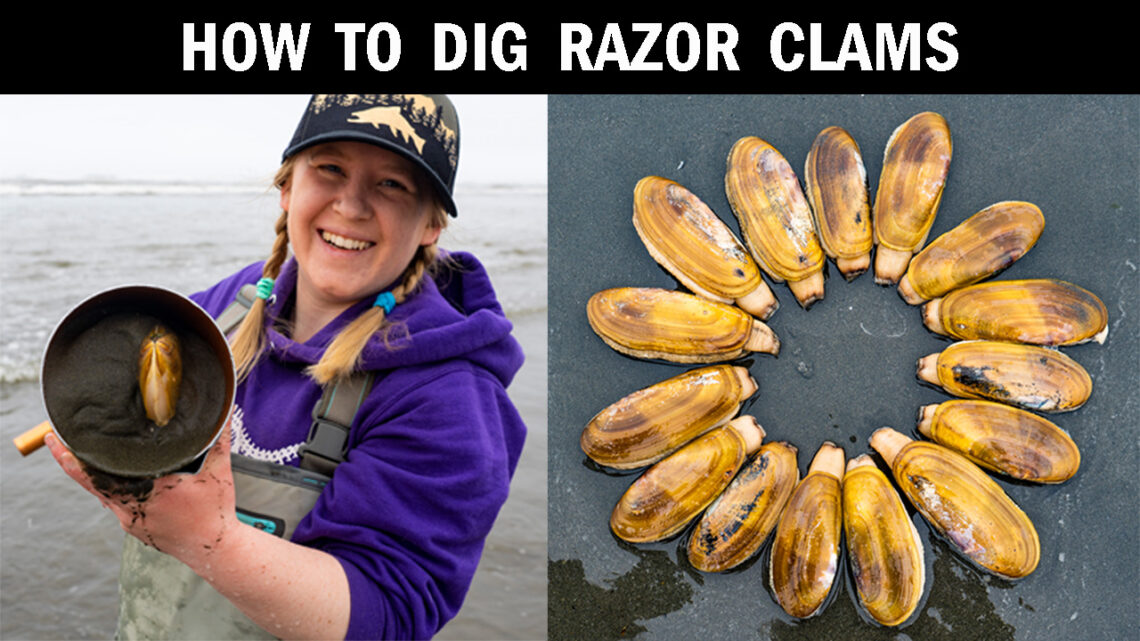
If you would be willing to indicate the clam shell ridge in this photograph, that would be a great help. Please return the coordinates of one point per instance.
(980, 246)
(967, 507)
(1025, 376)
(774, 217)
(738, 523)
(685, 237)
(883, 546)
(1039, 311)
(804, 559)
(1005, 439)
(663, 500)
(835, 182)
(648, 424)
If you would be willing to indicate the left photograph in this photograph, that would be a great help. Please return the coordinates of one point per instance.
(273, 366)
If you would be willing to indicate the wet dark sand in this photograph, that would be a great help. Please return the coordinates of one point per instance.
(847, 365)
(92, 393)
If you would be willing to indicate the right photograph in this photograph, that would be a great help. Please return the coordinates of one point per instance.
(843, 366)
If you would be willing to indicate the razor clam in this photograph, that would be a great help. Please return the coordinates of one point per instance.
(663, 500)
(774, 217)
(686, 238)
(160, 374)
(1026, 376)
(646, 322)
(1005, 439)
(648, 424)
(738, 523)
(836, 185)
(883, 546)
(804, 560)
(979, 247)
(915, 165)
(1040, 311)
(963, 504)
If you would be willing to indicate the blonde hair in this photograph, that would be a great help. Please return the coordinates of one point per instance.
(342, 357)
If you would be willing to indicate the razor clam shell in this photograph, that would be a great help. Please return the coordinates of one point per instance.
(1039, 311)
(1025, 376)
(804, 560)
(687, 238)
(915, 166)
(738, 523)
(663, 500)
(883, 546)
(646, 322)
(979, 247)
(775, 218)
(835, 182)
(645, 426)
(966, 506)
(1005, 439)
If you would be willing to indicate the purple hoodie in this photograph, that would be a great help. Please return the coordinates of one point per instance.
(432, 449)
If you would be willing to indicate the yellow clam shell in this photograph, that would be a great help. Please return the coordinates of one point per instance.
(738, 523)
(1026, 376)
(883, 546)
(646, 322)
(835, 182)
(663, 500)
(915, 166)
(963, 504)
(1040, 311)
(686, 238)
(1005, 439)
(804, 560)
(160, 374)
(774, 217)
(648, 424)
(979, 247)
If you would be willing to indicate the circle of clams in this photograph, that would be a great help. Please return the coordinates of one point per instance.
(704, 465)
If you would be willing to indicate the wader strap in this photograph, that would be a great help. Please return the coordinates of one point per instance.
(233, 314)
(327, 444)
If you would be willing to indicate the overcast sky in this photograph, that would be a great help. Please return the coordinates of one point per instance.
(231, 138)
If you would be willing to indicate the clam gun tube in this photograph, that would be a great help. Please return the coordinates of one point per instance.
(33, 439)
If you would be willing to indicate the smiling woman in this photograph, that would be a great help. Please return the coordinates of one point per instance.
(359, 217)
(389, 548)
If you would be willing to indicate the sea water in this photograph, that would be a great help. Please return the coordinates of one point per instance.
(62, 242)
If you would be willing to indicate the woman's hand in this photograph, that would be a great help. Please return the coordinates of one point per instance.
(290, 590)
(184, 515)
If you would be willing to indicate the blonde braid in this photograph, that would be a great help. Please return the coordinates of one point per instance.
(248, 340)
(342, 357)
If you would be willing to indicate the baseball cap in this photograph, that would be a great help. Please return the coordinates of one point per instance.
(423, 128)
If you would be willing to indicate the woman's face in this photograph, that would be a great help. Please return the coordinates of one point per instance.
(357, 214)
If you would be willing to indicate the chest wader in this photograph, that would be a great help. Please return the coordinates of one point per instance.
(161, 598)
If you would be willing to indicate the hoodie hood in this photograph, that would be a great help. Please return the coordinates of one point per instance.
(454, 315)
